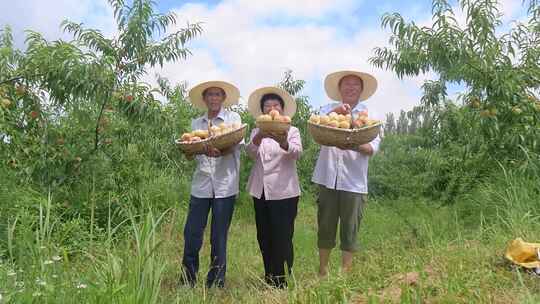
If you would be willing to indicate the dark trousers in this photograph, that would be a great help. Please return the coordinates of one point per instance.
(222, 211)
(275, 229)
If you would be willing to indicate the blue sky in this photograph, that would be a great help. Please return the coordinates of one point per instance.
(252, 42)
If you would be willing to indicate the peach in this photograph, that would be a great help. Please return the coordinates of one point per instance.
(344, 125)
(274, 113)
(186, 137)
(264, 117)
(324, 120)
(333, 124)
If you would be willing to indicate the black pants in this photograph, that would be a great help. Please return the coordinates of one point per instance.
(275, 229)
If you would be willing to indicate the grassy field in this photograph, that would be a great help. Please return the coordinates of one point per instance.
(413, 251)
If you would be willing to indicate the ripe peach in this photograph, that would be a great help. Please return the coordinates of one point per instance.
(324, 120)
(186, 137)
(333, 124)
(274, 113)
(285, 118)
(264, 117)
(344, 125)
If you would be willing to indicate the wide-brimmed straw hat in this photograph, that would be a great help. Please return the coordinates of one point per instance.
(523, 253)
(254, 102)
(331, 84)
(196, 93)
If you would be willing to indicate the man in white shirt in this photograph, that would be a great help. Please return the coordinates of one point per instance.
(214, 186)
(341, 172)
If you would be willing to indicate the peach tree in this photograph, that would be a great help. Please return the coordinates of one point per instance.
(64, 102)
(499, 73)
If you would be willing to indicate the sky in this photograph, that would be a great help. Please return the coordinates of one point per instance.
(251, 43)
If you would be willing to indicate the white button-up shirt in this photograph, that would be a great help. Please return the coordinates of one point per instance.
(344, 170)
(217, 177)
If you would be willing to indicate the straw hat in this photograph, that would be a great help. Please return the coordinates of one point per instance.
(331, 84)
(523, 253)
(254, 102)
(196, 93)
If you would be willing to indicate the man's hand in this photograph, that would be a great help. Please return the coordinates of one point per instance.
(189, 156)
(348, 147)
(343, 109)
(212, 152)
(366, 149)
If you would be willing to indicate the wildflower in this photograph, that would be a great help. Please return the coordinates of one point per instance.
(81, 286)
(56, 258)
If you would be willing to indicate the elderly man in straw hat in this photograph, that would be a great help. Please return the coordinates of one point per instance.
(341, 172)
(214, 186)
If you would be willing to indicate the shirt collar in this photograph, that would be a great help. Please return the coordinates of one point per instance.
(360, 106)
(221, 115)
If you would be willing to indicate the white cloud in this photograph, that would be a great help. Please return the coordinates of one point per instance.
(45, 16)
(236, 46)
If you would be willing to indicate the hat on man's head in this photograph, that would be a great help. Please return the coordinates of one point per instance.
(232, 94)
(331, 84)
(254, 102)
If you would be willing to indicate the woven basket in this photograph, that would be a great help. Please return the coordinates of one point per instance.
(228, 140)
(330, 136)
(219, 142)
(273, 126)
(197, 147)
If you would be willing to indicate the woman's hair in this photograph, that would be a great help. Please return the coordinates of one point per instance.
(271, 96)
(206, 91)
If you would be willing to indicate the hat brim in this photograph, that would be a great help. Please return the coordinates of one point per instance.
(232, 94)
(331, 84)
(254, 101)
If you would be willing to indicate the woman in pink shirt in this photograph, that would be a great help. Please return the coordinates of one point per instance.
(274, 185)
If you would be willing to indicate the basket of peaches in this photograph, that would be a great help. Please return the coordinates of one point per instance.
(273, 122)
(339, 130)
(221, 137)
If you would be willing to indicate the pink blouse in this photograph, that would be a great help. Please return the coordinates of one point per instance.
(274, 170)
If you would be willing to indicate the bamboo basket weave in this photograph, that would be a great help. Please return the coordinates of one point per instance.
(330, 136)
(220, 142)
(273, 126)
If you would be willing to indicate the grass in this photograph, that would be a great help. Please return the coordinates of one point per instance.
(413, 251)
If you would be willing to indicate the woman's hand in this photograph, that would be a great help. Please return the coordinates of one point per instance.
(258, 138)
(281, 139)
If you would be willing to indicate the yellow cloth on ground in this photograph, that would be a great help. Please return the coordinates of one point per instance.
(523, 253)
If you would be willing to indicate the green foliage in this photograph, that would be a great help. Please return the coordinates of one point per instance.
(501, 72)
